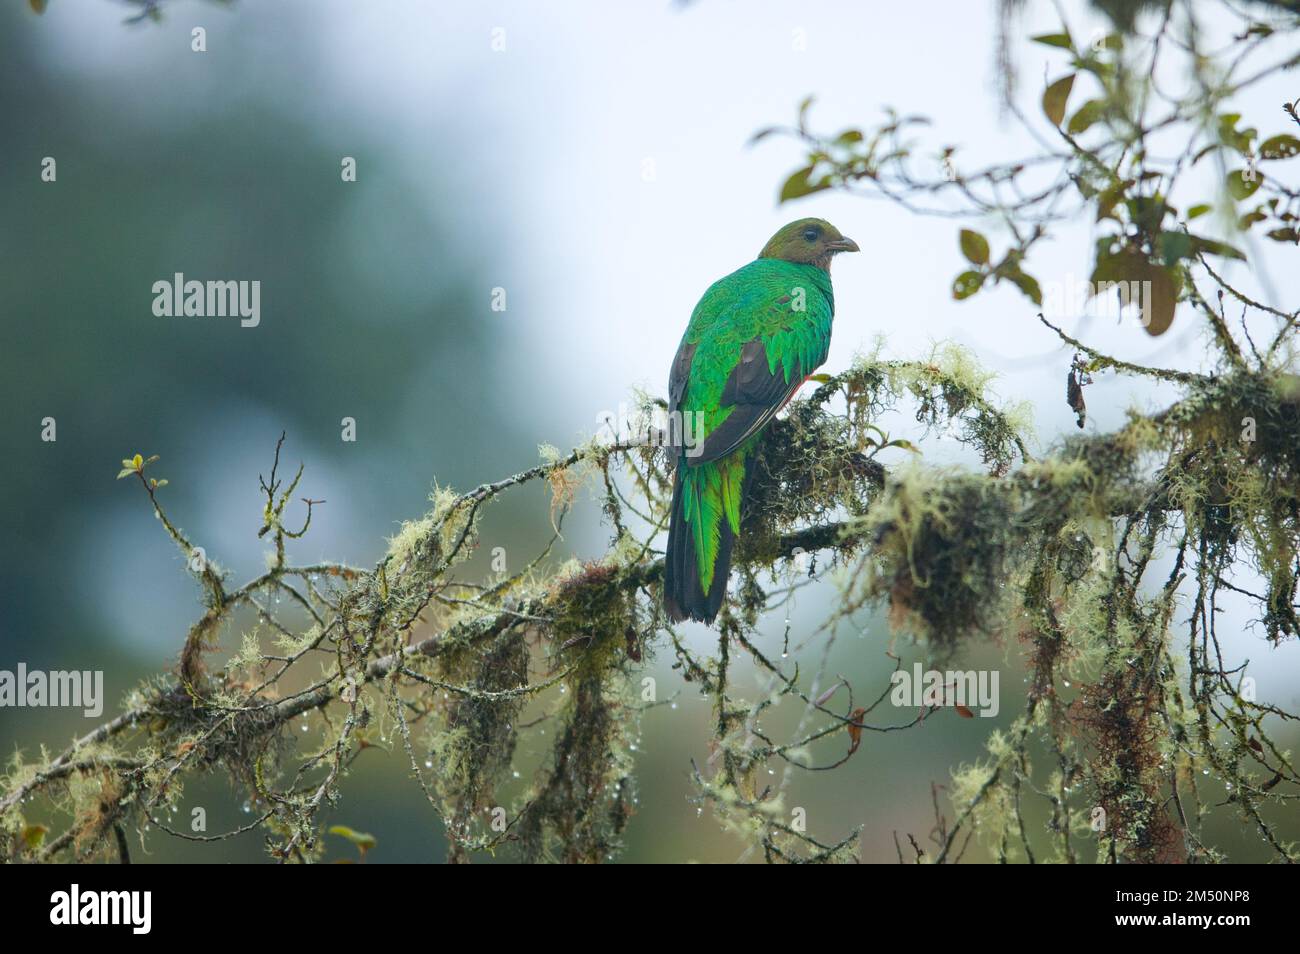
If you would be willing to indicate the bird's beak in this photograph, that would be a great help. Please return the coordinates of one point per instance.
(844, 244)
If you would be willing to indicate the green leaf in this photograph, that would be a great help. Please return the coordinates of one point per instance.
(1284, 235)
(1148, 212)
(1061, 40)
(125, 472)
(1215, 247)
(1055, 98)
(975, 247)
(1196, 211)
(1231, 136)
(1107, 201)
(966, 284)
(1279, 147)
(799, 185)
(1251, 219)
(1028, 286)
(34, 835)
(1103, 70)
(1174, 246)
(1148, 285)
(1240, 187)
(1085, 116)
(803, 111)
(363, 841)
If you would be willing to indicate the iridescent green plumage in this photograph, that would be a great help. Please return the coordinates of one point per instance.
(752, 340)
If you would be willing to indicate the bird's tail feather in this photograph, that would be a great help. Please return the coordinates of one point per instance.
(684, 595)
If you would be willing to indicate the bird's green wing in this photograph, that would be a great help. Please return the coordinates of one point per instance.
(753, 339)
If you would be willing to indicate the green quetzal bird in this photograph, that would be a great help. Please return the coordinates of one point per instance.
(753, 339)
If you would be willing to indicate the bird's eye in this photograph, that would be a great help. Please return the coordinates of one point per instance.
(810, 234)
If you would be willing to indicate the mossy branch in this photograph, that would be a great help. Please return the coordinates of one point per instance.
(452, 665)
